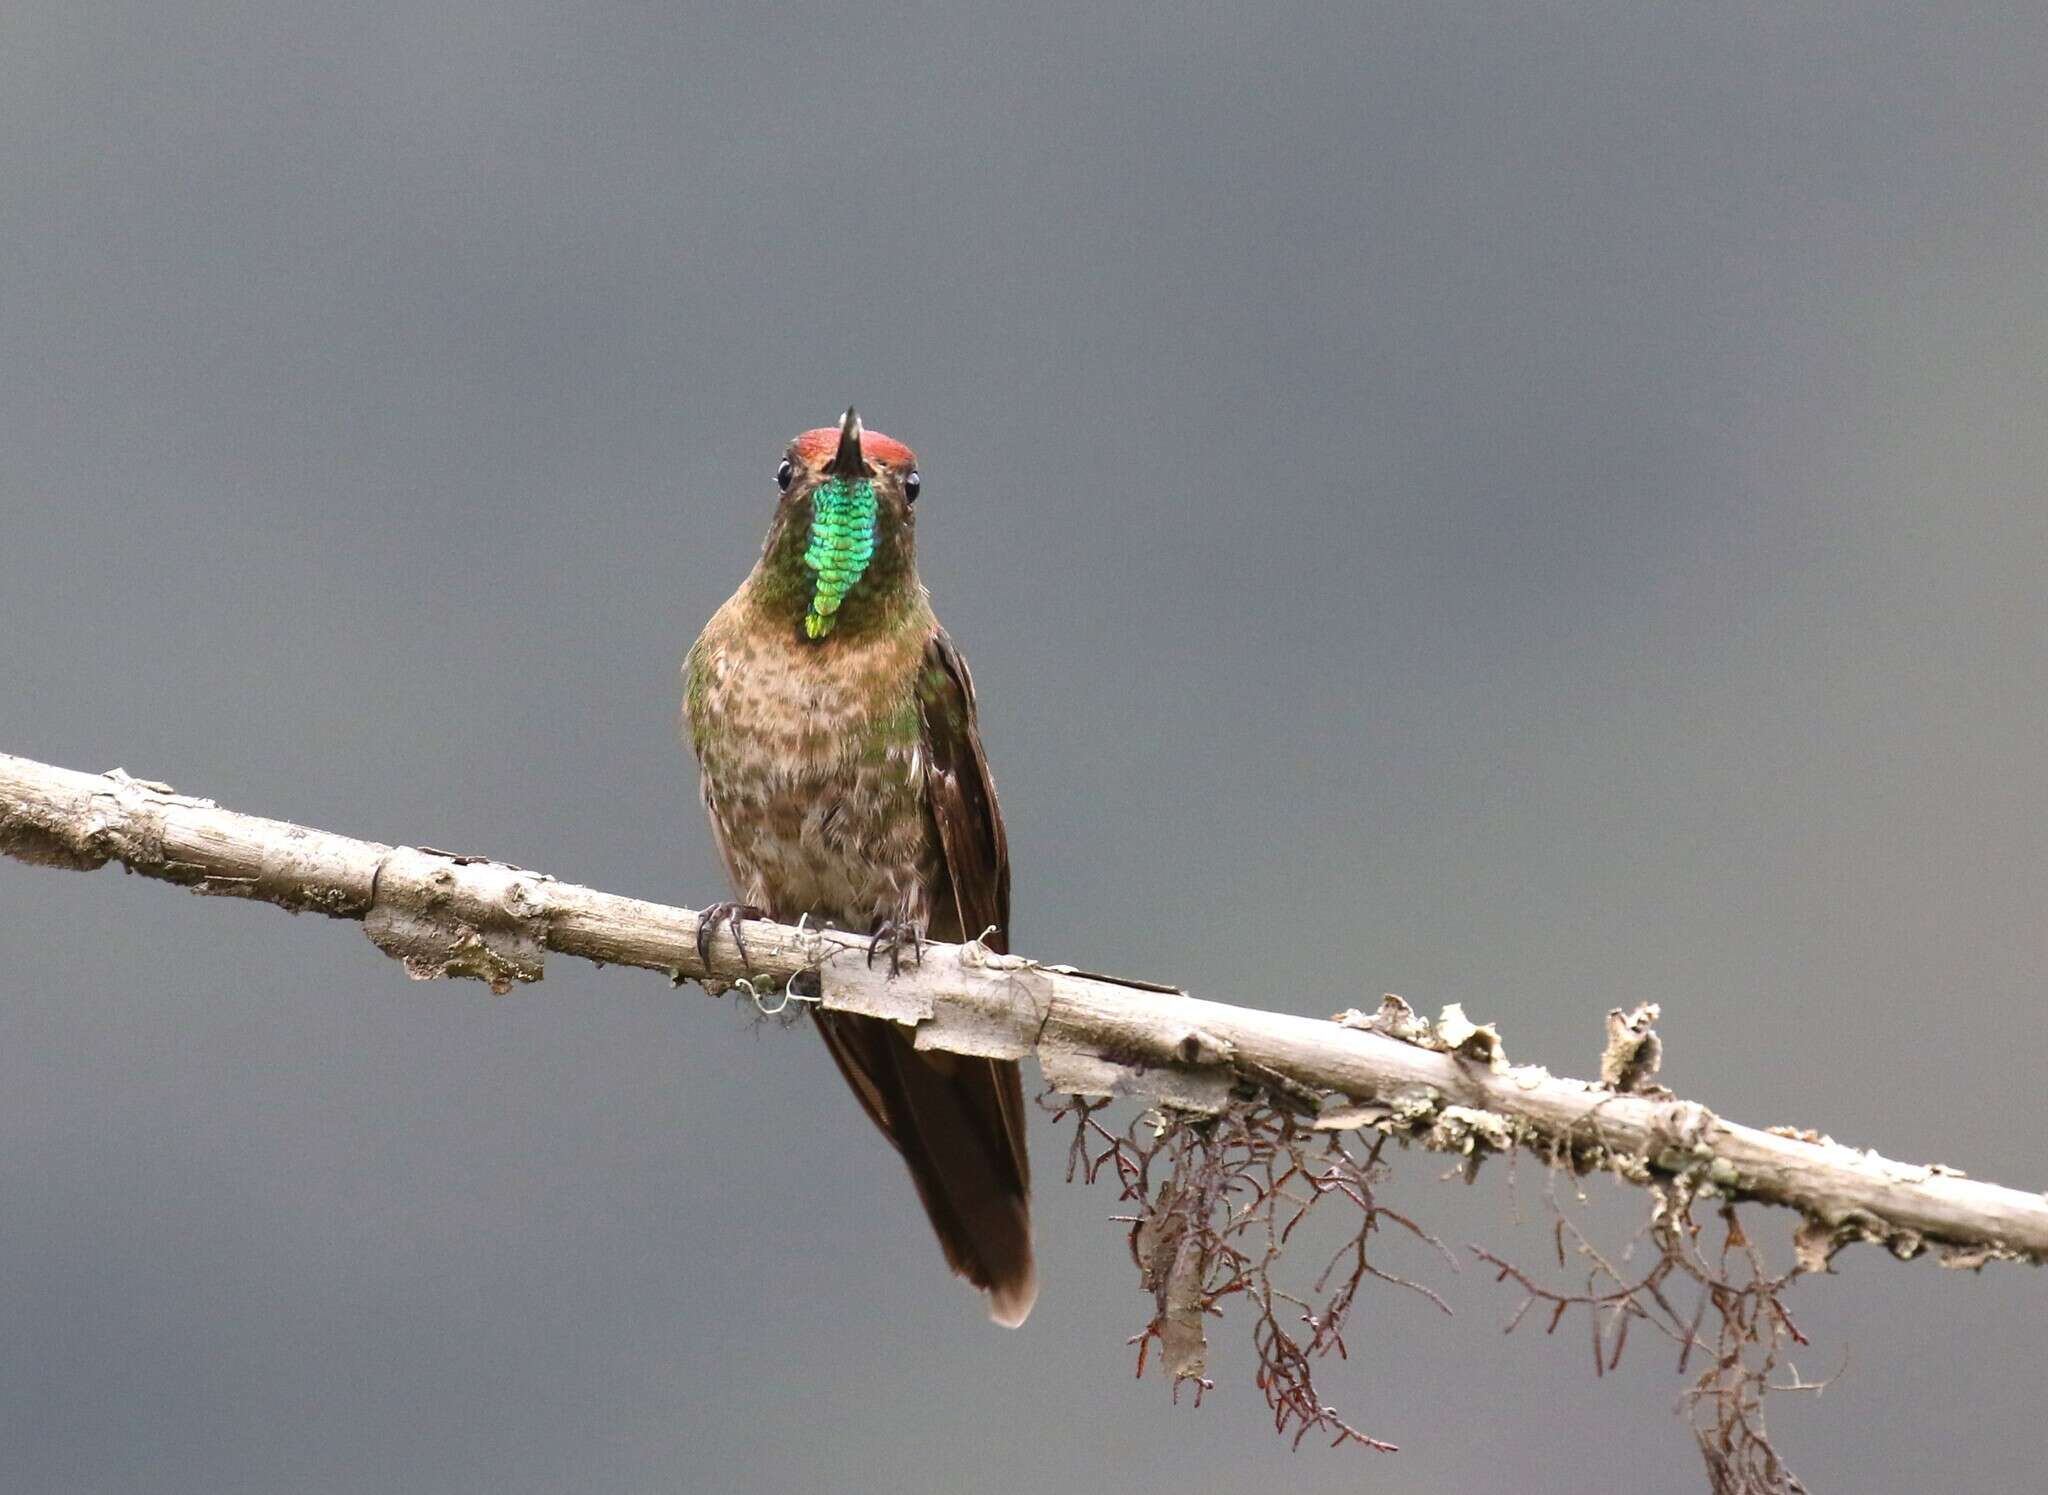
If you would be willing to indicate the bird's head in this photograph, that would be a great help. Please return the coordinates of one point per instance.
(842, 541)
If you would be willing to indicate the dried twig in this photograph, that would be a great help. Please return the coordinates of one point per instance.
(1444, 1084)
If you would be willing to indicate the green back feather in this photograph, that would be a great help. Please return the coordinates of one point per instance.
(842, 544)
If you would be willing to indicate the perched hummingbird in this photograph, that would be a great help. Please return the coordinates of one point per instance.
(835, 727)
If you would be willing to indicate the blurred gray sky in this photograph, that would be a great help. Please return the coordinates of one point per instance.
(1547, 499)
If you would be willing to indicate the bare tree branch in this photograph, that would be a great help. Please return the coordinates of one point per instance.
(1446, 1085)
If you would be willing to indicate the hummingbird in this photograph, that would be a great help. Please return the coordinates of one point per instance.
(841, 764)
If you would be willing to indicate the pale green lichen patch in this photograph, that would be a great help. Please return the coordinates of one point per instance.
(1394, 1017)
(1403, 1113)
(1466, 1130)
(1479, 1042)
(1633, 1054)
(1451, 1033)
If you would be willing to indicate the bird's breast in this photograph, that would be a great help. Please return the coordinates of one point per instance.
(813, 775)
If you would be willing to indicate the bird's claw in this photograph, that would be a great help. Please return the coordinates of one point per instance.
(892, 935)
(728, 914)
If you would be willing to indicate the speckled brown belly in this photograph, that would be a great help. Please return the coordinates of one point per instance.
(812, 775)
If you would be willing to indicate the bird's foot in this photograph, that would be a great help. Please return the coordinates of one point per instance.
(893, 935)
(728, 914)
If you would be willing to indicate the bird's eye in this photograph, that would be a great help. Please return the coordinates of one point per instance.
(784, 475)
(913, 484)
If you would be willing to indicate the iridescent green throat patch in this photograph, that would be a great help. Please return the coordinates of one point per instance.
(842, 544)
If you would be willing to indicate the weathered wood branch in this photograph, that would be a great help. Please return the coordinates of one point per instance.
(1446, 1085)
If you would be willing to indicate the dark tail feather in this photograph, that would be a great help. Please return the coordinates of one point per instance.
(959, 1124)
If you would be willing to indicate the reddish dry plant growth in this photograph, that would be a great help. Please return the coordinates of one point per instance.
(1218, 1198)
(1740, 1356)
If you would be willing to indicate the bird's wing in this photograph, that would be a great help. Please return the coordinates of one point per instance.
(962, 797)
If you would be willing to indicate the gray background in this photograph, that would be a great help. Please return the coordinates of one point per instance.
(1546, 499)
